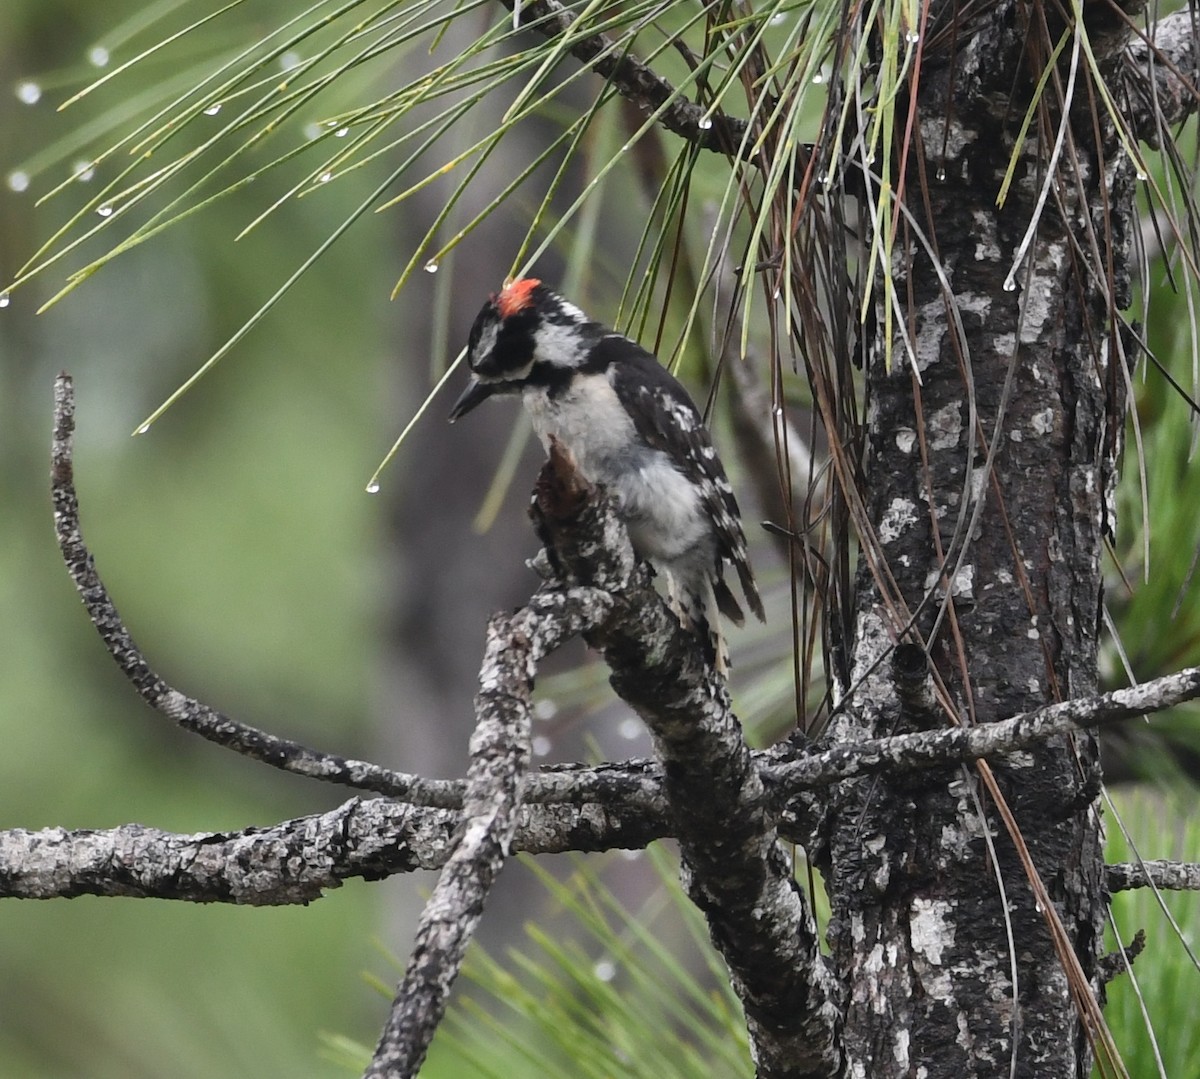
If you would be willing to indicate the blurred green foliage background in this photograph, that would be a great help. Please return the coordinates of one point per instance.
(248, 561)
(242, 550)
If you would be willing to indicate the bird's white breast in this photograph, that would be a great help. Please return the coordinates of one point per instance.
(660, 506)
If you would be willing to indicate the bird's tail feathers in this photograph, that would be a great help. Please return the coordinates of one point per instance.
(699, 612)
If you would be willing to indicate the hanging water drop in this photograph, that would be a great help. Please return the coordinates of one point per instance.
(1010, 285)
(325, 177)
(431, 266)
(18, 180)
(341, 133)
(704, 123)
(105, 211)
(1141, 175)
(28, 92)
(212, 110)
(912, 37)
(818, 78)
(941, 174)
(5, 298)
(778, 19)
(83, 171)
(143, 429)
(98, 56)
(373, 487)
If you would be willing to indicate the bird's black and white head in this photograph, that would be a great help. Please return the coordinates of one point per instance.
(524, 333)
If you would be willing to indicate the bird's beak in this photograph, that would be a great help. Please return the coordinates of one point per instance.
(475, 393)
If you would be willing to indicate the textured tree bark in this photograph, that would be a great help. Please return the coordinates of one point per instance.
(921, 924)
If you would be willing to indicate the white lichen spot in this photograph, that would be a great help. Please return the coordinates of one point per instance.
(900, 515)
(931, 929)
(1034, 686)
(944, 427)
(1042, 422)
(1015, 435)
(979, 482)
(906, 440)
(875, 844)
(900, 1049)
(965, 1038)
(1004, 576)
(857, 933)
(875, 962)
(931, 322)
(1032, 633)
(1040, 301)
(945, 138)
(173, 704)
(986, 247)
(1004, 344)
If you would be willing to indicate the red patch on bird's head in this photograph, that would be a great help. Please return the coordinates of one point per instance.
(516, 296)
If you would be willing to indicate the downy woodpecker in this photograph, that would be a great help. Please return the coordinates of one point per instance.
(633, 429)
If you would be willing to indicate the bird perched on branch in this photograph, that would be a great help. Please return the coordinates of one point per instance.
(633, 429)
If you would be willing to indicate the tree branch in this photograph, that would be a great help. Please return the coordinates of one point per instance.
(932, 749)
(734, 867)
(295, 861)
(186, 711)
(1172, 876)
(633, 79)
(500, 752)
(635, 783)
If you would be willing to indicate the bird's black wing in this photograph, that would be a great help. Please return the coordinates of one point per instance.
(666, 417)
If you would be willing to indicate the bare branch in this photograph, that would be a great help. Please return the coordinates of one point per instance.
(186, 711)
(735, 868)
(1172, 876)
(634, 783)
(295, 861)
(632, 78)
(500, 752)
(932, 749)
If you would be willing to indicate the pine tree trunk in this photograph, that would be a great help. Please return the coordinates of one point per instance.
(919, 927)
